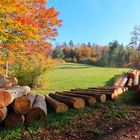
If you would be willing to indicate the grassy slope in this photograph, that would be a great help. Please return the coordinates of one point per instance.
(69, 75)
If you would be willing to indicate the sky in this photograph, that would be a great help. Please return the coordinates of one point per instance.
(96, 21)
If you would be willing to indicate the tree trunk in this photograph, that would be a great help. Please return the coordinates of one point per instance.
(123, 81)
(131, 74)
(117, 82)
(8, 96)
(89, 100)
(136, 79)
(13, 120)
(98, 90)
(130, 83)
(56, 105)
(99, 97)
(3, 114)
(39, 109)
(4, 82)
(23, 104)
(104, 88)
(76, 103)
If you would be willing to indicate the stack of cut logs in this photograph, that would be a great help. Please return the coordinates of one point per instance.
(19, 105)
(129, 79)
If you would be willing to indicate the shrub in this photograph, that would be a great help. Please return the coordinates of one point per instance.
(32, 70)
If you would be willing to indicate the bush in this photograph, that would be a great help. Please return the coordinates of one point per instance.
(33, 70)
(90, 61)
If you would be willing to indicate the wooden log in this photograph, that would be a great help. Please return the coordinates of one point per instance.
(89, 100)
(136, 79)
(76, 103)
(56, 105)
(8, 96)
(110, 89)
(130, 83)
(123, 81)
(13, 120)
(38, 111)
(23, 104)
(117, 82)
(131, 74)
(4, 82)
(98, 90)
(3, 114)
(99, 97)
(103, 88)
(137, 94)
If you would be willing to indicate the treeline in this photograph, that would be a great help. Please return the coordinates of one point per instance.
(113, 55)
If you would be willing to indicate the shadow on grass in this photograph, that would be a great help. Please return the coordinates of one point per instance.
(111, 81)
(128, 97)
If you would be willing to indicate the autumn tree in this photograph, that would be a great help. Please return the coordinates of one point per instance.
(25, 28)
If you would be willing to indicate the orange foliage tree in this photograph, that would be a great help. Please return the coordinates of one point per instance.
(25, 28)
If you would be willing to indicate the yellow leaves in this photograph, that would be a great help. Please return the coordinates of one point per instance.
(1, 66)
(2, 61)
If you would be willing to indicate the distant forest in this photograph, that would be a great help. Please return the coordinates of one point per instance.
(113, 55)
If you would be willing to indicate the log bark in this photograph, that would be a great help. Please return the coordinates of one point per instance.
(76, 103)
(131, 74)
(117, 82)
(13, 120)
(23, 104)
(8, 96)
(136, 79)
(38, 111)
(56, 105)
(4, 82)
(103, 88)
(8, 82)
(89, 100)
(3, 114)
(130, 83)
(114, 94)
(108, 89)
(123, 81)
(99, 97)
(98, 90)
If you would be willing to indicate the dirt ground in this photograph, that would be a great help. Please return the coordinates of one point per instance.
(110, 122)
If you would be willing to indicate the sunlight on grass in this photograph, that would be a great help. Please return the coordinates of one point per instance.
(70, 75)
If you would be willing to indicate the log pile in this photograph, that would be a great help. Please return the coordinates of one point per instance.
(19, 105)
(128, 80)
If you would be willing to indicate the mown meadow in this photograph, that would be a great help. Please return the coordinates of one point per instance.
(72, 75)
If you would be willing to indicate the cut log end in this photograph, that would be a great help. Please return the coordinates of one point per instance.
(79, 103)
(13, 120)
(3, 114)
(35, 114)
(21, 105)
(92, 101)
(103, 98)
(61, 108)
(5, 98)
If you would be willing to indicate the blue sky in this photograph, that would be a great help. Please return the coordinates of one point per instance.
(98, 21)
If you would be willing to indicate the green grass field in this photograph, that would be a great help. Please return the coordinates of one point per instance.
(70, 75)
